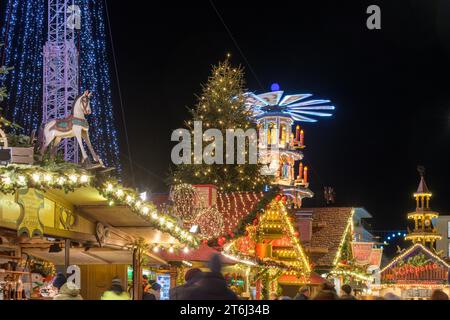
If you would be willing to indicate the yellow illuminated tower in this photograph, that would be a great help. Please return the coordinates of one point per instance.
(424, 231)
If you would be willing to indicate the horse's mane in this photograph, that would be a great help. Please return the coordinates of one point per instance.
(74, 102)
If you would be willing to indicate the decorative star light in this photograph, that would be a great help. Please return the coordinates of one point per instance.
(299, 107)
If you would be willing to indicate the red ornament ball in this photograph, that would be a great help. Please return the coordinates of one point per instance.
(221, 241)
(278, 197)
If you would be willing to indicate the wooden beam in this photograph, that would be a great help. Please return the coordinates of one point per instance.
(92, 255)
(319, 224)
(316, 250)
(155, 257)
(66, 254)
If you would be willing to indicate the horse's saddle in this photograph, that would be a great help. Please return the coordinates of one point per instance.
(66, 124)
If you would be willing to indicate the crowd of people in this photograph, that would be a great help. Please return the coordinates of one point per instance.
(328, 292)
(211, 285)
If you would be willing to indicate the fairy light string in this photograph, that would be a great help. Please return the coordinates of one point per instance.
(69, 178)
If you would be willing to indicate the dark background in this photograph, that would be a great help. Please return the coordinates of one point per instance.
(390, 87)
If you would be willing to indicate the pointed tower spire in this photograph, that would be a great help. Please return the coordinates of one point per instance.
(423, 195)
(423, 189)
(424, 231)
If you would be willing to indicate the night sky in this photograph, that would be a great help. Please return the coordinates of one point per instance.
(390, 87)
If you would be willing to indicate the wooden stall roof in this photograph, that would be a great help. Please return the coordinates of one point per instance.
(94, 207)
(314, 279)
(328, 233)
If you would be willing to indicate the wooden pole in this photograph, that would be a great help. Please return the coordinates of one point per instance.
(66, 255)
(137, 275)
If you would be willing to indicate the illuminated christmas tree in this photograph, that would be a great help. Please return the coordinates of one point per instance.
(222, 106)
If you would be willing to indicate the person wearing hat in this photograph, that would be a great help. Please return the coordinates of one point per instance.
(191, 277)
(59, 281)
(116, 292)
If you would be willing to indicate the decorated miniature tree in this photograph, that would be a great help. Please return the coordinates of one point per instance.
(222, 106)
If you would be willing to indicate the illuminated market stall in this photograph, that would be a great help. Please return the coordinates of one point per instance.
(418, 270)
(60, 215)
(270, 247)
(336, 252)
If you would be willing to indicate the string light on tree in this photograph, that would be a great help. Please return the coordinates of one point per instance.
(222, 106)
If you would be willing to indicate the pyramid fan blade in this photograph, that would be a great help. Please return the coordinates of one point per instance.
(309, 103)
(311, 113)
(302, 118)
(294, 98)
(313, 108)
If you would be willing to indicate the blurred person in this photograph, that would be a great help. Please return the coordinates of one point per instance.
(347, 293)
(391, 296)
(211, 286)
(144, 280)
(439, 295)
(154, 293)
(273, 296)
(327, 292)
(191, 277)
(59, 281)
(116, 292)
(303, 294)
(69, 291)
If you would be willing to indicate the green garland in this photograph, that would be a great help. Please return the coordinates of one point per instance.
(69, 177)
(240, 229)
(52, 176)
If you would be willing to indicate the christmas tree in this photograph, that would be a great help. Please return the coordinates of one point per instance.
(222, 106)
(4, 94)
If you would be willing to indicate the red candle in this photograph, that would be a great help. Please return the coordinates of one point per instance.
(297, 134)
(302, 138)
(305, 175)
(300, 171)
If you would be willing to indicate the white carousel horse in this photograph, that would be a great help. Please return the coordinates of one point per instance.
(75, 125)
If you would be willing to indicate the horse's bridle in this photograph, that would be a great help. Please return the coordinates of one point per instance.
(85, 103)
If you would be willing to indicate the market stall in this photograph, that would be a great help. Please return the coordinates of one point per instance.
(270, 248)
(419, 269)
(414, 275)
(65, 215)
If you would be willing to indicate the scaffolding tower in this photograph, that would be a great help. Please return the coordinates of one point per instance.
(60, 87)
